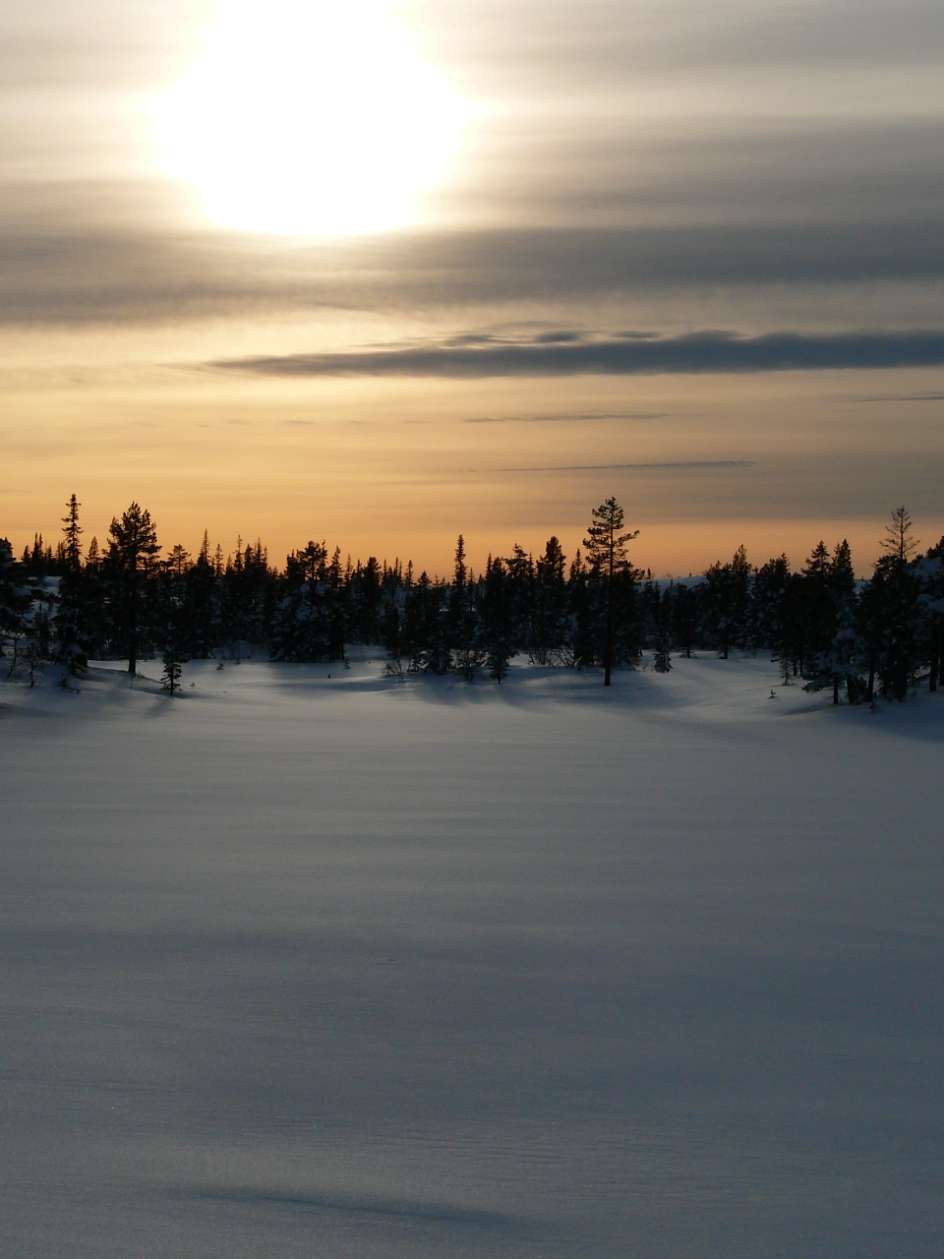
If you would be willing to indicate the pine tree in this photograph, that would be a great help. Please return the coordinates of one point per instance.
(202, 604)
(391, 636)
(550, 622)
(767, 601)
(791, 633)
(170, 678)
(662, 618)
(898, 597)
(841, 577)
(820, 613)
(14, 605)
(172, 628)
(898, 543)
(306, 625)
(684, 618)
(720, 602)
(132, 548)
(929, 572)
(497, 628)
(424, 639)
(605, 545)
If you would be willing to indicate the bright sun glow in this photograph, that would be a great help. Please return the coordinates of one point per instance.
(310, 117)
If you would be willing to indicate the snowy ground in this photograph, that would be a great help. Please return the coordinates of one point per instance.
(302, 965)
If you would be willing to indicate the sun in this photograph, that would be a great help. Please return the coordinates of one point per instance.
(307, 117)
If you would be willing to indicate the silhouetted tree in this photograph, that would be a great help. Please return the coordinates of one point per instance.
(497, 629)
(132, 548)
(550, 622)
(605, 545)
(72, 629)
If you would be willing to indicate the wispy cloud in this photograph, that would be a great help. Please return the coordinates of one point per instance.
(671, 465)
(692, 353)
(902, 397)
(589, 417)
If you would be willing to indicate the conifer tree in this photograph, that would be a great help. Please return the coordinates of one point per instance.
(132, 548)
(820, 613)
(889, 608)
(202, 604)
(72, 534)
(898, 543)
(424, 629)
(465, 651)
(391, 636)
(841, 577)
(172, 628)
(14, 604)
(71, 621)
(519, 578)
(550, 622)
(719, 598)
(171, 676)
(662, 616)
(605, 545)
(304, 626)
(684, 618)
(497, 629)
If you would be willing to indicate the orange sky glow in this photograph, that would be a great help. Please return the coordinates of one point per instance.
(480, 271)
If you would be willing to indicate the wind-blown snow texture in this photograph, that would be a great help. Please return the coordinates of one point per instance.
(302, 965)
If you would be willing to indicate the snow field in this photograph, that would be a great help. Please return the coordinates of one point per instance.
(310, 965)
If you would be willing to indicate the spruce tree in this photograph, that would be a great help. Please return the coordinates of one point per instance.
(72, 629)
(465, 651)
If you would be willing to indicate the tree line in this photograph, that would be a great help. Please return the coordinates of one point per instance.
(596, 609)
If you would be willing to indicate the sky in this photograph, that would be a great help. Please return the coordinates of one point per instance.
(379, 273)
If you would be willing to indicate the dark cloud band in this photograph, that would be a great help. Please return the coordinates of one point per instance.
(60, 275)
(672, 465)
(698, 352)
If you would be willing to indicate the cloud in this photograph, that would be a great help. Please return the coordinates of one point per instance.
(561, 337)
(672, 465)
(61, 266)
(902, 397)
(692, 353)
(589, 417)
(563, 47)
